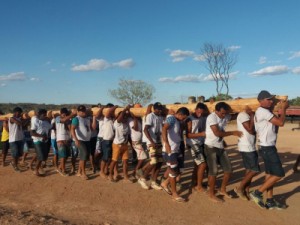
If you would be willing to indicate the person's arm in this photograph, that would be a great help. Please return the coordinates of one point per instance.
(121, 115)
(99, 115)
(74, 125)
(217, 132)
(13, 120)
(189, 133)
(165, 137)
(249, 125)
(111, 112)
(5, 126)
(146, 132)
(279, 121)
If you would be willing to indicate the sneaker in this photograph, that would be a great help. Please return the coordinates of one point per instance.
(143, 183)
(155, 186)
(139, 172)
(274, 205)
(258, 199)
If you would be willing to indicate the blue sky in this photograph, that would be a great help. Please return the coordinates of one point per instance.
(71, 51)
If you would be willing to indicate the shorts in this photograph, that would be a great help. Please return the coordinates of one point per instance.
(197, 152)
(250, 161)
(93, 142)
(74, 150)
(215, 155)
(138, 148)
(54, 146)
(155, 154)
(84, 150)
(172, 163)
(5, 146)
(16, 148)
(120, 150)
(273, 165)
(106, 146)
(63, 150)
(41, 149)
(98, 145)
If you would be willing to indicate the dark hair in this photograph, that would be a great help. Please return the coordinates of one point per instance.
(109, 105)
(183, 111)
(64, 111)
(158, 106)
(222, 105)
(17, 109)
(42, 111)
(201, 105)
(81, 108)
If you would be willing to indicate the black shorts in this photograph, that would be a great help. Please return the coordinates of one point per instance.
(250, 161)
(5, 146)
(84, 150)
(16, 148)
(273, 165)
(41, 149)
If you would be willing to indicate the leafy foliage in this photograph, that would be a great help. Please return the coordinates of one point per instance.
(132, 92)
(295, 101)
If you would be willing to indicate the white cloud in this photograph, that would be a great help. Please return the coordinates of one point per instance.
(101, 64)
(53, 70)
(271, 70)
(13, 77)
(34, 79)
(234, 47)
(183, 78)
(3, 85)
(262, 60)
(93, 64)
(294, 55)
(199, 58)
(126, 63)
(211, 78)
(191, 78)
(180, 55)
(296, 70)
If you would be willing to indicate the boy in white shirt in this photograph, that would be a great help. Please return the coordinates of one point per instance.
(214, 148)
(171, 134)
(246, 145)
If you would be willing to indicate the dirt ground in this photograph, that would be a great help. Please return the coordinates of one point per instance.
(27, 199)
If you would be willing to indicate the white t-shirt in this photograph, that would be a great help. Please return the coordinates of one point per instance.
(266, 131)
(15, 131)
(121, 133)
(83, 128)
(247, 141)
(53, 134)
(173, 134)
(108, 129)
(211, 139)
(40, 127)
(62, 132)
(198, 125)
(135, 135)
(100, 125)
(155, 122)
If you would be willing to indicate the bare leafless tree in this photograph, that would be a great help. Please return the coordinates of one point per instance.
(219, 61)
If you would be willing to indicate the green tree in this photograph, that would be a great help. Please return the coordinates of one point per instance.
(222, 97)
(295, 101)
(132, 92)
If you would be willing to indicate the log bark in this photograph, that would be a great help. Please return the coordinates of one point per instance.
(237, 105)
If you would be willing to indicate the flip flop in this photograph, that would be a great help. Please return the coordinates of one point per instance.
(166, 189)
(224, 194)
(178, 199)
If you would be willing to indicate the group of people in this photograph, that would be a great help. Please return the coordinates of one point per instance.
(159, 137)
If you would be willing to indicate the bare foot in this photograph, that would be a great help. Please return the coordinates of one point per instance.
(102, 175)
(201, 190)
(224, 193)
(215, 199)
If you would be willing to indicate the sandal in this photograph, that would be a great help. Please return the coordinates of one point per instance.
(178, 199)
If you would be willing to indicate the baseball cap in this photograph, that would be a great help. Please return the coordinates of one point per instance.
(264, 95)
(158, 105)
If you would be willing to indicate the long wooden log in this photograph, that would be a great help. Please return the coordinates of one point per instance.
(237, 105)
